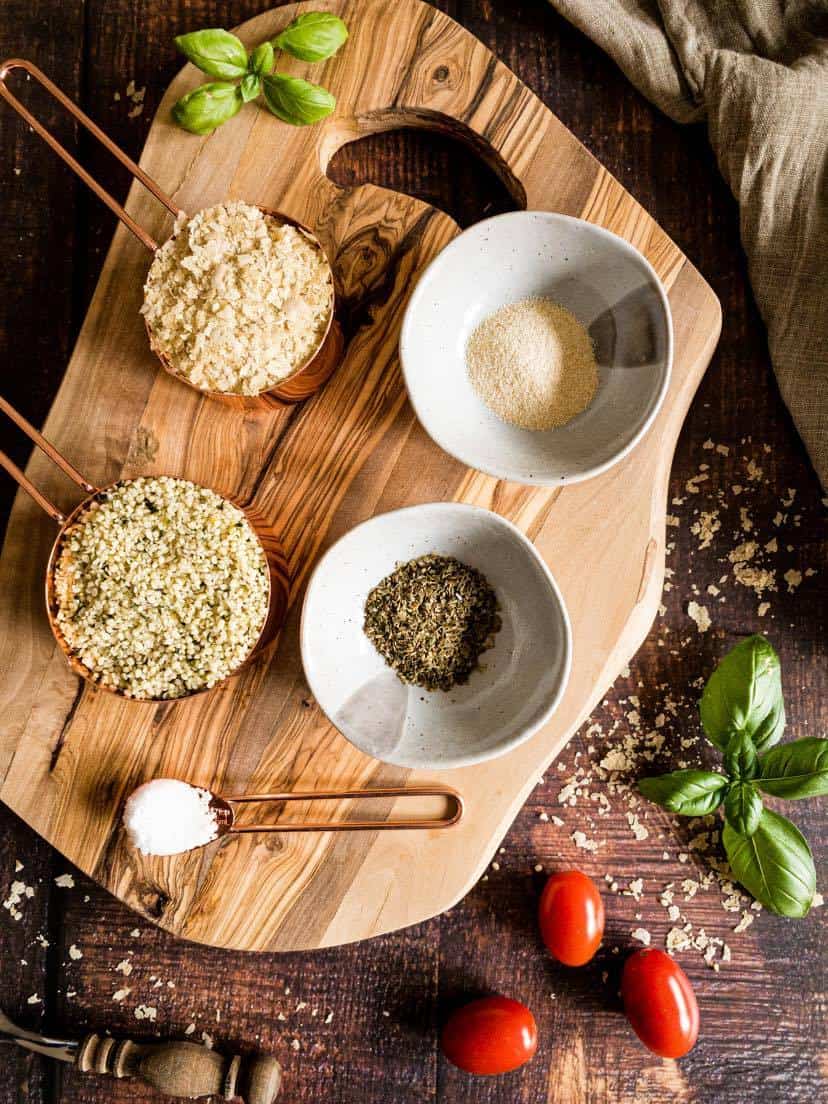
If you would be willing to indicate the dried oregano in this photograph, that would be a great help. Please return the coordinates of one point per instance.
(431, 619)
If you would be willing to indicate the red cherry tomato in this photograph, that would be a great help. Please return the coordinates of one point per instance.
(571, 916)
(660, 1003)
(491, 1035)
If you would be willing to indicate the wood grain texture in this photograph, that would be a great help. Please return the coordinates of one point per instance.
(69, 758)
(762, 1013)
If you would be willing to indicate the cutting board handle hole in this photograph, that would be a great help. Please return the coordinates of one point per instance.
(455, 177)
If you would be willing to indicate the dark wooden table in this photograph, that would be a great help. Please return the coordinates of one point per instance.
(358, 1025)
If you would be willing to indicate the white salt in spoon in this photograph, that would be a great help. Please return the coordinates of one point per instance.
(168, 817)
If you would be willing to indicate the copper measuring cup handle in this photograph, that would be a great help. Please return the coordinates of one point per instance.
(49, 449)
(351, 825)
(136, 171)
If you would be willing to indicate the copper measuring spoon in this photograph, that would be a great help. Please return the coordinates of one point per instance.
(224, 811)
(305, 380)
(278, 574)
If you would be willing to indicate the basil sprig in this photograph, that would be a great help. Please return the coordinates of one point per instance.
(744, 694)
(795, 770)
(215, 52)
(297, 101)
(743, 808)
(312, 37)
(774, 864)
(686, 792)
(208, 106)
(743, 714)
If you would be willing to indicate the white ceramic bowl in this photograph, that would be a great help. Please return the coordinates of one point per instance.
(605, 282)
(522, 677)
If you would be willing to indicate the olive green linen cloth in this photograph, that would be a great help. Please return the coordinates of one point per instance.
(757, 72)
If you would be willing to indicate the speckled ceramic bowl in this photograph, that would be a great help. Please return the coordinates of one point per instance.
(522, 678)
(609, 287)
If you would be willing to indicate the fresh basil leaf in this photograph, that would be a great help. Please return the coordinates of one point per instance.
(297, 101)
(261, 60)
(740, 759)
(744, 694)
(216, 52)
(798, 769)
(687, 792)
(207, 107)
(250, 87)
(774, 864)
(743, 808)
(313, 36)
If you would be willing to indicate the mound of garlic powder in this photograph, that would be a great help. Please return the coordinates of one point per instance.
(533, 364)
(236, 301)
(167, 817)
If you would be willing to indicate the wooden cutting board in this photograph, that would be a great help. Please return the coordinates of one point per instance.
(69, 755)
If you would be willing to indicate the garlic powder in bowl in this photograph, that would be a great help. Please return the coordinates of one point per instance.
(161, 588)
(236, 301)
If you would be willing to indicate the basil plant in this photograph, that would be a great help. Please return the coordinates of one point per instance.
(240, 78)
(743, 714)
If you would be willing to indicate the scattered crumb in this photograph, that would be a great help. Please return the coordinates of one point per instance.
(580, 840)
(793, 578)
(700, 615)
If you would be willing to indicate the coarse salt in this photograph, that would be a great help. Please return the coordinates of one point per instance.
(166, 816)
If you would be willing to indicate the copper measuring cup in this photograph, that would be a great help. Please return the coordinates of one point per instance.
(305, 380)
(278, 575)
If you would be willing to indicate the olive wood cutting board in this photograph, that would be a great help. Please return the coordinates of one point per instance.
(70, 754)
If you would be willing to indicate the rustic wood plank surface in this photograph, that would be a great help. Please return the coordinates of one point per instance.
(762, 1011)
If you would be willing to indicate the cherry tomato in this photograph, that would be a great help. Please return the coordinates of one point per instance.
(491, 1035)
(571, 916)
(660, 1003)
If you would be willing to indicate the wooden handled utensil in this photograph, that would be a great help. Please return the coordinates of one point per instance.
(178, 1069)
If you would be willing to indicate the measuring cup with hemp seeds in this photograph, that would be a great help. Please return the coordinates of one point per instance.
(239, 303)
(157, 588)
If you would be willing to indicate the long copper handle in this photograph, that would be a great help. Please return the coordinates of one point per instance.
(353, 825)
(49, 449)
(7, 67)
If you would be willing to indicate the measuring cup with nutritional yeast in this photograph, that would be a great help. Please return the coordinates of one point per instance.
(305, 378)
(275, 582)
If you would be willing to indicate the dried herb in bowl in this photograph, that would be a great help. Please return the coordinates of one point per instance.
(431, 619)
